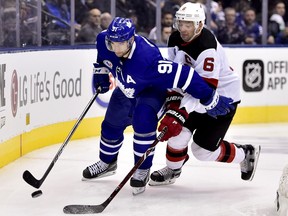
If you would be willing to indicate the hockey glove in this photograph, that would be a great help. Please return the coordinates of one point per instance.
(218, 105)
(101, 79)
(173, 99)
(174, 120)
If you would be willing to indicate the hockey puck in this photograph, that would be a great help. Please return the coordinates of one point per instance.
(36, 193)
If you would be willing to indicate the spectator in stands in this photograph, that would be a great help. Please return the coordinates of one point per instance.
(217, 16)
(165, 34)
(230, 32)
(146, 13)
(91, 28)
(102, 5)
(106, 19)
(81, 10)
(56, 22)
(3, 6)
(167, 20)
(172, 5)
(82, 6)
(240, 6)
(216, 12)
(9, 27)
(277, 18)
(28, 24)
(8, 36)
(139, 29)
(253, 30)
(124, 7)
(58, 12)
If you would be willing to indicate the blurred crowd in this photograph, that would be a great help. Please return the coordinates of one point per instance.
(232, 21)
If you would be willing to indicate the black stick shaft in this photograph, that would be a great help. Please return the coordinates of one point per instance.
(93, 209)
(29, 178)
(136, 166)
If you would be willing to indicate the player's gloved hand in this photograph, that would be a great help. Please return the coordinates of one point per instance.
(173, 99)
(101, 79)
(174, 120)
(218, 105)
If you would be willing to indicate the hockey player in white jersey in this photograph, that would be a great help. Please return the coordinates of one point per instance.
(194, 45)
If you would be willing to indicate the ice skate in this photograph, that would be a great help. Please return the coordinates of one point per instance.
(249, 164)
(164, 176)
(99, 170)
(139, 180)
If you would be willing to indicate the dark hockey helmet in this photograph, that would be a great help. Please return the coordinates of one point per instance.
(120, 30)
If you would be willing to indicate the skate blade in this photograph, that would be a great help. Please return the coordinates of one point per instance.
(138, 190)
(167, 182)
(99, 177)
(257, 154)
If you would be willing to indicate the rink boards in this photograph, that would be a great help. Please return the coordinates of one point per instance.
(42, 93)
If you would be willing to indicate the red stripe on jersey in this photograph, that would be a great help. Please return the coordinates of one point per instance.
(213, 82)
(187, 43)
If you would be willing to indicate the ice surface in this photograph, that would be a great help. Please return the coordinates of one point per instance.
(204, 188)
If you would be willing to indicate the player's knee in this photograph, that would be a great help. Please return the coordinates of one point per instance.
(111, 132)
(144, 119)
(182, 140)
(202, 154)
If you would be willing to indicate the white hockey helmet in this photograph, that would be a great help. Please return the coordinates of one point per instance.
(191, 12)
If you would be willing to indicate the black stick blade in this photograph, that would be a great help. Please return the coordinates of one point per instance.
(83, 209)
(31, 180)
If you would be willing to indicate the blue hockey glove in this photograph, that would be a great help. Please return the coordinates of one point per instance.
(101, 79)
(218, 105)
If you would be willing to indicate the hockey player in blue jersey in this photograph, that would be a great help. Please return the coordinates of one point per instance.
(143, 77)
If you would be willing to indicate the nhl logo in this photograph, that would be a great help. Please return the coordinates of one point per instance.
(253, 75)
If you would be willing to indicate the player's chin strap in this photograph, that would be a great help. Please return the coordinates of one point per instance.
(130, 44)
(197, 31)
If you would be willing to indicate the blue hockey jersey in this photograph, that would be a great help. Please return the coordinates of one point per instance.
(146, 68)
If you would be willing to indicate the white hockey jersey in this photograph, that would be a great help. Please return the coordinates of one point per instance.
(206, 55)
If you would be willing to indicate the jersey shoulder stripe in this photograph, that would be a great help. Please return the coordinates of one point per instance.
(206, 40)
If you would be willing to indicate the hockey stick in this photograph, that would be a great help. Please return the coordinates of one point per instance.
(29, 178)
(92, 209)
